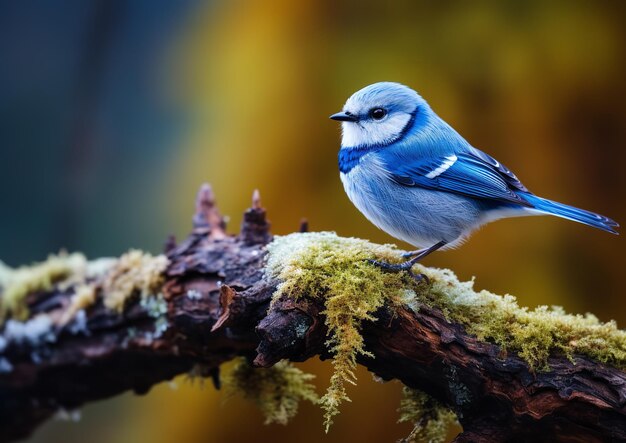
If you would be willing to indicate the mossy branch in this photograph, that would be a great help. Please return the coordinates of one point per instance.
(76, 331)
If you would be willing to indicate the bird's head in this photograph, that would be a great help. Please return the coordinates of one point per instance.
(379, 114)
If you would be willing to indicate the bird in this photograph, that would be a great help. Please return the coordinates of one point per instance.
(416, 178)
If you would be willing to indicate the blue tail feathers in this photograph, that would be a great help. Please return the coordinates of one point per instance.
(572, 213)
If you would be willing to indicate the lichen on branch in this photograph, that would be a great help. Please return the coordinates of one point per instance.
(135, 272)
(277, 391)
(336, 270)
(17, 283)
(431, 420)
(323, 265)
(534, 334)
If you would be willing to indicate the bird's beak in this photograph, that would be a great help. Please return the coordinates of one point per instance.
(344, 117)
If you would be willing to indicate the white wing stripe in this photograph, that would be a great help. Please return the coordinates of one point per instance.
(448, 162)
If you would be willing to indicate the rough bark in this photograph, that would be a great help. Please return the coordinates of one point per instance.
(219, 307)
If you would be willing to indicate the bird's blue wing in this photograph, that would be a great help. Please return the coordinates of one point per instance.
(471, 173)
(505, 172)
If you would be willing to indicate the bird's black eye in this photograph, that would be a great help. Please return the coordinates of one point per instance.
(378, 113)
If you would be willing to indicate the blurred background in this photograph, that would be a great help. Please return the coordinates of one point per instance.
(112, 113)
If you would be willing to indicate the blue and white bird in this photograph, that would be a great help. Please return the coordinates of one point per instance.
(417, 179)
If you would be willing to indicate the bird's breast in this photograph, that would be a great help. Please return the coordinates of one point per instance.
(367, 184)
(416, 215)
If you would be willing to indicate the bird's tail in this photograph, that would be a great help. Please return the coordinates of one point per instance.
(546, 206)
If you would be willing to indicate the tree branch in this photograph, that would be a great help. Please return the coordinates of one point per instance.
(216, 306)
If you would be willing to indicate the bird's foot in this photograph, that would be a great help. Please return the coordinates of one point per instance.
(399, 267)
(392, 267)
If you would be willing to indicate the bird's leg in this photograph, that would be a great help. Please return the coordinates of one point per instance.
(409, 254)
(407, 265)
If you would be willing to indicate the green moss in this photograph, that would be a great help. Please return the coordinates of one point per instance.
(322, 265)
(84, 296)
(134, 272)
(533, 334)
(16, 284)
(277, 391)
(430, 418)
